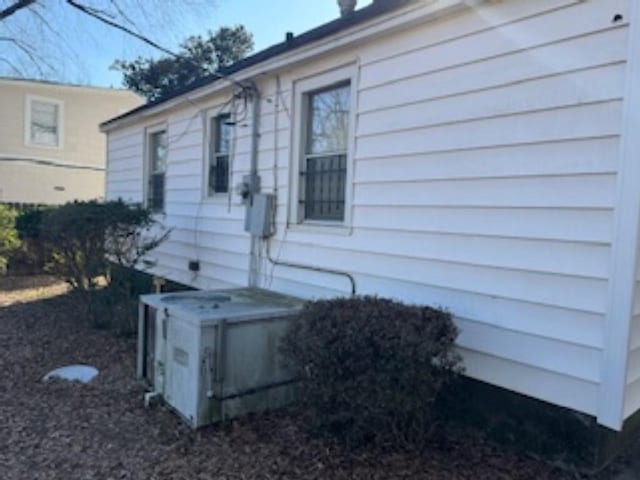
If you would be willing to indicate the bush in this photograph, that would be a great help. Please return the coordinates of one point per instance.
(371, 368)
(8, 235)
(86, 239)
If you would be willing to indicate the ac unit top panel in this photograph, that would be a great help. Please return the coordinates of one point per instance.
(233, 305)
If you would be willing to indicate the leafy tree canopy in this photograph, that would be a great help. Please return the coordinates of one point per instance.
(198, 57)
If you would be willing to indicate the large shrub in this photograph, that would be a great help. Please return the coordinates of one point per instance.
(371, 368)
(8, 235)
(86, 239)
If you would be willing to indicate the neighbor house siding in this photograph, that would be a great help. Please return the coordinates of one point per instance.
(485, 161)
(74, 170)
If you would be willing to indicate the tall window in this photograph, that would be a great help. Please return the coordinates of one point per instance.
(220, 141)
(324, 166)
(157, 145)
(44, 123)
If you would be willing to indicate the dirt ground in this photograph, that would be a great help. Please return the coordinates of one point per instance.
(68, 431)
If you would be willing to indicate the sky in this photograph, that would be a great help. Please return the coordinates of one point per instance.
(75, 48)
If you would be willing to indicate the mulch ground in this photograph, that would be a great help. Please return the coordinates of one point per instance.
(68, 431)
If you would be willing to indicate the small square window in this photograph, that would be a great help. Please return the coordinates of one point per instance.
(219, 148)
(157, 148)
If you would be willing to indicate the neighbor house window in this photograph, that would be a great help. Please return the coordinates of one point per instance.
(157, 147)
(44, 122)
(325, 147)
(219, 145)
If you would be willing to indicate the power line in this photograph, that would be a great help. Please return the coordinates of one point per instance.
(19, 5)
(96, 14)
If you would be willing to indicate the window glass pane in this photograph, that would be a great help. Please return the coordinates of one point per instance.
(329, 120)
(219, 154)
(219, 175)
(158, 151)
(156, 192)
(223, 133)
(44, 123)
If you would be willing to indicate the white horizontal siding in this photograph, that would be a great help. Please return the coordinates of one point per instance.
(485, 182)
(592, 85)
(548, 385)
(207, 230)
(587, 294)
(523, 35)
(125, 149)
(531, 127)
(486, 154)
(543, 256)
(553, 223)
(571, 55)
(587, 156)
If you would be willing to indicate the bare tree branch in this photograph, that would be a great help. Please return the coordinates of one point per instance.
(11, 9)
(122, 13)
(91, 12)
(27, 51)
(15, 69)
(98, 15)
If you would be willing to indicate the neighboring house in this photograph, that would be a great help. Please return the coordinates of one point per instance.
(51, 149)
(481, 156)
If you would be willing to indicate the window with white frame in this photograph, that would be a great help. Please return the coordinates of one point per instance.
(219, 148)
(157, 166)
(44, 122)
(325, 150)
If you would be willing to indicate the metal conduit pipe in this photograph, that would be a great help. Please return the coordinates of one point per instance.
(352, 280)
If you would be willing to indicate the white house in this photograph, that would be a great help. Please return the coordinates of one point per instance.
(479, 155)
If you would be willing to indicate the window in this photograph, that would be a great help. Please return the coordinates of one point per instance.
(43, 122)
(324, 164)
(157, 147)
(220, 141)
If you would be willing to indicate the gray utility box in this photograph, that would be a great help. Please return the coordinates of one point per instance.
(259, 216)
(214, 355)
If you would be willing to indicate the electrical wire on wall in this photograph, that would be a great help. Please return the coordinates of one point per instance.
(278, 99)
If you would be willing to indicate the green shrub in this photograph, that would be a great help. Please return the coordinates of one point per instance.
(86, 239)
(8, 235)
(28, 222)
(371, 368)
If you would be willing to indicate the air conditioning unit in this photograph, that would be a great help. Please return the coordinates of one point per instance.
(213, 355)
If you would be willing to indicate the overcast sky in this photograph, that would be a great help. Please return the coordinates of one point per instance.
(82, 50)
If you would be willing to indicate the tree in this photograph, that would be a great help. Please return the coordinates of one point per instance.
(50, 40)
(198, 57)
